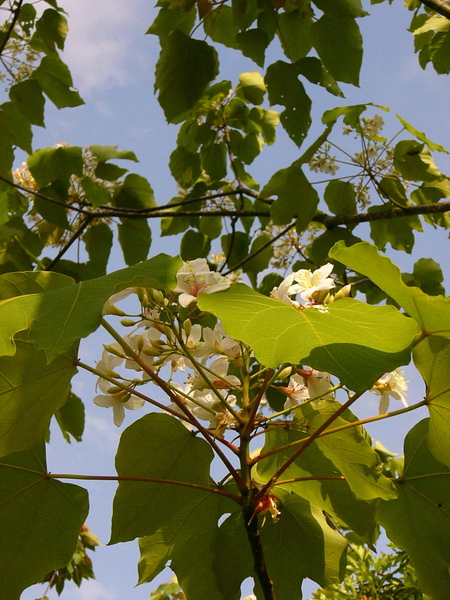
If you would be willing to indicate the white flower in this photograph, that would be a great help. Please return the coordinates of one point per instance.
(109, 308)
(318, 383)
(118, 401)
(218, 376)
(296, 391)
(216, 341)
(284, 290)
(309, 283)
(195, 278)
(391, 384)
(108, 362)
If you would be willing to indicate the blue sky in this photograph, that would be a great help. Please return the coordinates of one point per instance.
(112, 63)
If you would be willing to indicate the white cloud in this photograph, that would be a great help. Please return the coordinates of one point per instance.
(100, 47)
(92, 590)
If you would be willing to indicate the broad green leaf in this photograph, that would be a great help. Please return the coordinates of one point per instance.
(135, 192)
(219, 25)
(340, 197)
(169, 19)
(235, 247)
(54, 212)
(253, 44)
(432, 313)
(184, 69)
(420, 134)
(432, 358)
(418, 521)
(296, 197)
(56, 82)
(427, 275)
(55, 164)
(285, 88)
(351, 114)
(414, 161)
(185, 167)
(109, 172)
(300, 545)
(338, 43)
(70, 418)
(313, 69)
(344, 9)
(263, 246)
(51, 32)
(294, 27)
(104, 153)
(195, 244)
(252, 87)
(96, 194)
(135, 238)
(33, 282)
(330, 491)
(399, 232)
(214, 160)
(354, 341)
(158, 446)
(439, 51)
(59, 317)
(30, 100)
(41, 519)
(187, 542)
(98, 240)
(31, 391)
(15, 126)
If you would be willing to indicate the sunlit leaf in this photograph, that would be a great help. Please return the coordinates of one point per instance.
(41, 519)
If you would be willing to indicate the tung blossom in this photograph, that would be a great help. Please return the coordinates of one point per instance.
(195, 278)
(391, 385)
(312, 286)
(118, 401)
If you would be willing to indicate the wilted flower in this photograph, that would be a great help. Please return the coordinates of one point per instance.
(195, 278)
(391, 384)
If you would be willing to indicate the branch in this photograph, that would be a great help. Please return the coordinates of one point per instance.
(259, 564)
(15, 12)
(439, 6)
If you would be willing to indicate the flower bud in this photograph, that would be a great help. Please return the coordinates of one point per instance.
(112, 349)
(127, 322)
(158, 296)
(187, 326)
(284, 373)
(151, 352)
(344, 292)
(140, 343)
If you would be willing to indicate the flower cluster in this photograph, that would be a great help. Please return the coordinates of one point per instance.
(323, 161)
(313, 287)
(157, 340)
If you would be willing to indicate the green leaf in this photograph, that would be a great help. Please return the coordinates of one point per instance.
(253, 44)
(355, 341)
(343, 9)
(340, 197)
(59, 317)
(34, 282)
(300, 545)
(399, 232)
(313, 69)
(15, 127)
(420, 134)
(418, 521)
(285, 88)
(235, 247)
(30, 100)
(98, 240)
(252, 86)
(219, 25)
(135, 192)
(296, 197)
(338, 43)
(55, 164)
(187, 543)
(261, 261)
(104, 153)
(184, 69)
(142, 507)
(135, 239)
(432, 358)
(96, 194)
(427, 275)
(70, 418)
(415, 162)
(56, 82)
(51, 32)
(54, 212)
(431, 313)
(169, 19)
(41, 519)
(109, 172)
(195, 244)
(214, 160)
(439, 50)
(294, 28)
(185, 167)
(330, 491)
(31, 391)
